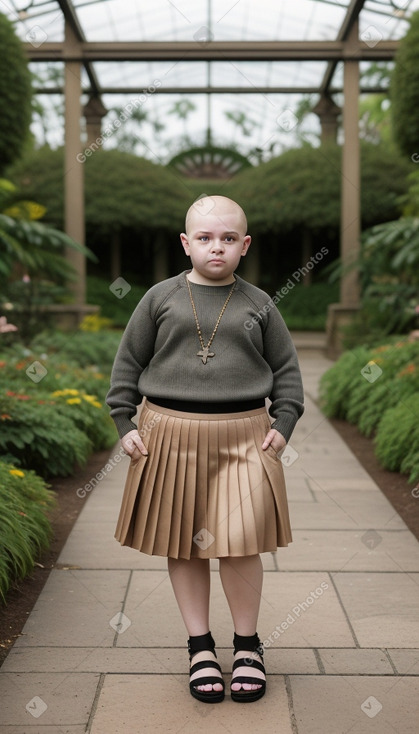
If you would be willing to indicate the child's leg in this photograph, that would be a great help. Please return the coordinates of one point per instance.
(242, 580)
(191, 586)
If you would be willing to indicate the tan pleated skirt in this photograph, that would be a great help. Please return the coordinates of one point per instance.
(206, 488)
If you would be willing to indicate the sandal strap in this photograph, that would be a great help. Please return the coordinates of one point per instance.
(205, 664)
(199, 643)
(251, 643)
(248, 663)
(206, 679)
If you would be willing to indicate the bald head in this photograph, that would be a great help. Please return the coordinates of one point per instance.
(221, 207)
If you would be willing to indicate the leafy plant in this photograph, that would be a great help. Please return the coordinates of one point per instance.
(24, 526)
(388, 267)
(404, 90)
(15, 94)
(366, 386)
(397, 438)
(33, 269)
(44, 439)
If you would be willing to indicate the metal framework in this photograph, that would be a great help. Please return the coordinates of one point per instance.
(76, 52)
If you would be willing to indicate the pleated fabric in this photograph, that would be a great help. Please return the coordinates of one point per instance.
(206, 488)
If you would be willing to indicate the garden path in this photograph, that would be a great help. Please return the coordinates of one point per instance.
(104, 649)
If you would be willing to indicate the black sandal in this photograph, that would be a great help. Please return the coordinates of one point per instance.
(199, 644)
(251, 644)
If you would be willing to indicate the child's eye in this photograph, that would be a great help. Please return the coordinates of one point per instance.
(229, 238)
(203, 238)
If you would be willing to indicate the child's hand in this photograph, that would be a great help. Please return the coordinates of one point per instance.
(275, 439)
(133, 445)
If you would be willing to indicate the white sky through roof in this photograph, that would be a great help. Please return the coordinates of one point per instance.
(183, 20)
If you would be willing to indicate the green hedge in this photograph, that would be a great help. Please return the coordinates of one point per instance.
(377, 389)
(24, 526)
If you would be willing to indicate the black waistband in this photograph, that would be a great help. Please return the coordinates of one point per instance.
(193, 406)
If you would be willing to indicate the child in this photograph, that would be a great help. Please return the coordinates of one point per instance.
(206, 348)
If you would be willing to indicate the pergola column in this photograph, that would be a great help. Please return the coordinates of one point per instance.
(351, 176)
(73, 168)
(328, 113)
(340, 314)
(94, 111)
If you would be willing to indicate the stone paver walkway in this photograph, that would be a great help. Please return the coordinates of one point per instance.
(104, 650)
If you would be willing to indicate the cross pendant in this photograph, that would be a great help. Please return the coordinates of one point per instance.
(204, 354)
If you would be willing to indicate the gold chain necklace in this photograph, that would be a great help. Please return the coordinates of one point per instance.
(204, 352)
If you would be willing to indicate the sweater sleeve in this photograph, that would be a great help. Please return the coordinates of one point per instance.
(287, 394)
(134, 353)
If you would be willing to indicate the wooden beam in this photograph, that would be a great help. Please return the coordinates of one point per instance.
(71, 18)
(214, 90)
(351, 16)
(212, 51)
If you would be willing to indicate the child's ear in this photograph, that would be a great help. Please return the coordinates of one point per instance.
(185, 242)
(246, 244)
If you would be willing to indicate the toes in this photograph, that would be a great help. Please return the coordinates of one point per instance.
(245, 686)
(208, 687)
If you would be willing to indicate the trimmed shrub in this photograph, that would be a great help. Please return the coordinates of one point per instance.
(24, 526)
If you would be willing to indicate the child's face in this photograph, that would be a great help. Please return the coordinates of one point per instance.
(215, 242)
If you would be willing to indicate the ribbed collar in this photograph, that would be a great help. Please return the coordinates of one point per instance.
(212, 290)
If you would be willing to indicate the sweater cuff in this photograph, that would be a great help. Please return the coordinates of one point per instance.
(285, 424)
(123, 424)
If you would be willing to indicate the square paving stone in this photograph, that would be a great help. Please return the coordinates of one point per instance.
(355, 705)
(351, 550)
(154, 704)
(104, 551)
(358, 661)
(383, 608)
(162, 660)
(296, 611)
(75, 609)
(45, 699)
(406, 661)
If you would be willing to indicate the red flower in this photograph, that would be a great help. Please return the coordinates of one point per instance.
(16, 395)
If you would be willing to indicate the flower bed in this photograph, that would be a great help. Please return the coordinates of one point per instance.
(378, 390)
(52, 416)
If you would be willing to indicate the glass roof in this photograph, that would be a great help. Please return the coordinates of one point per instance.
(247, 119)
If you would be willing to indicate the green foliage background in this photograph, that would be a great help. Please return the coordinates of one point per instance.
(405, 91)
(15, 95)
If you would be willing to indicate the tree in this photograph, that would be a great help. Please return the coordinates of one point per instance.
(15, 95)
(405, 91)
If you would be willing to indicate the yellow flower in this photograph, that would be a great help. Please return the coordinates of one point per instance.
(96, 404)
(16, 473)
(89, 398)
(73, 401)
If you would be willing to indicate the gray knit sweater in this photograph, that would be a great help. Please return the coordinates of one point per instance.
(254, 353)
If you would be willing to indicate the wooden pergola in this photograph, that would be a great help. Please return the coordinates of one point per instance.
(76, 52)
